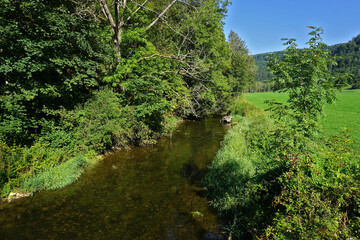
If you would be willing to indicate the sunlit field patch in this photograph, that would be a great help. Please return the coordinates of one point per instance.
(345, 113)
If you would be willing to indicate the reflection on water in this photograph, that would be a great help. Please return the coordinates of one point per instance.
(145, 193)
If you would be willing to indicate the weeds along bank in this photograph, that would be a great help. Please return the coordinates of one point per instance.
(270, 181)
(92, 128)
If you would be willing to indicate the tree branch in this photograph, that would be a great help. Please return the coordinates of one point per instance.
(161, 14)
(143, 6)
(188, 4)
(157, 55)
(182, 35)
(133, 12)
(123, 13)
(105, 10)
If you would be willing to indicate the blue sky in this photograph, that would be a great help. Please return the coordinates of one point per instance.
(262, 23)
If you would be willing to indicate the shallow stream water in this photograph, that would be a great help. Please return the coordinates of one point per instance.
(145, 193)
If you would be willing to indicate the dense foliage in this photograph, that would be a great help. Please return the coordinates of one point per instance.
(242, 64)
(79, 77)
(49, 58)
(275, 178)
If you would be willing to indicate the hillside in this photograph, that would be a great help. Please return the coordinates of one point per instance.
(261, 60)
(347, 58)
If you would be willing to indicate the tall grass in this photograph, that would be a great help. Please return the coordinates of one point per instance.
(56, 177)
(236, 165)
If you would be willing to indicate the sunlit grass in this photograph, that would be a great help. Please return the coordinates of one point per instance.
(345, 113)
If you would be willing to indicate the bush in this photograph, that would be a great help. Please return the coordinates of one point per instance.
(89, 129)
(17, 164)
(243, 108)
(320, 195)
(101, 122)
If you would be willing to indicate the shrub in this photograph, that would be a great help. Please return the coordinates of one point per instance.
(305, 75)
(101, 122)
(243, 108)
(89, 129)
(320, 195)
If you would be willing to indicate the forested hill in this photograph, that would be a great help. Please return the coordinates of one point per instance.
(261, 60)
(347, 58)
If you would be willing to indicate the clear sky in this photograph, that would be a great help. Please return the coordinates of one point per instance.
(262, 23)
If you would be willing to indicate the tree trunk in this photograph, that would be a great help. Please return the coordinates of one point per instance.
(113, 24)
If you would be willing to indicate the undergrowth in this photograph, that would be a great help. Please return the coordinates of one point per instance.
(269, 181)
(66, 147)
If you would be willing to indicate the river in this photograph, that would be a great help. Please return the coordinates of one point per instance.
(144, 193)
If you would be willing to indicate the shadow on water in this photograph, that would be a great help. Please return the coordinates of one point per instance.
(145, 193)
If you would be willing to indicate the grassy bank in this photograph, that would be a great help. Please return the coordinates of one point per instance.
(344, 114)
(269, 181)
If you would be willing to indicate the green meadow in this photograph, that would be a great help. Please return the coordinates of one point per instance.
(345, 113)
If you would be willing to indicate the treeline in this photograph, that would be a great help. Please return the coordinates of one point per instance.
(346, 56)
(81, 77)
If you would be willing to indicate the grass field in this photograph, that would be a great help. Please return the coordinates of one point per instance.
(344, 114)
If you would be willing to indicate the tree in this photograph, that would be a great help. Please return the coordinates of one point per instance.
(55, 54)
(207, 55)
(242, 63)
(348, 61)
(119, 14)
(306, 77)
(50, 58)
(188, 51)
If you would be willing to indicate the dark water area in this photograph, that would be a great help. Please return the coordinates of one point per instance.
(144, 193)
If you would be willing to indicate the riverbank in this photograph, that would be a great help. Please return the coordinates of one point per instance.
(68, 172)
(150, 192)
(80, 139)
(269, 180)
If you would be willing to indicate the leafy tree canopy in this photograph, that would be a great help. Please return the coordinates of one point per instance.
(49, 58)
